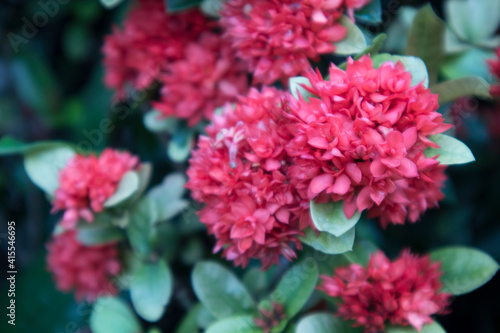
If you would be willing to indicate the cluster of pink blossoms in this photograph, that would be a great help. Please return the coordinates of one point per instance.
(86, 269)
(406, 291)
(495, 70)
(86, 182)
(277, 38)
(362, 140)
(239, 171)
(182, 51)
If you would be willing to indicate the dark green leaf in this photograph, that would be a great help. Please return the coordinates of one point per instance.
(296, 286)
(189, 322)
(425, 40)
(139, 230)
(179, 5)
(467, 86)
(372, 12)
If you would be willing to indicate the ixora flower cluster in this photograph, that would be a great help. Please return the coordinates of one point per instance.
(87, 269)
(86, 182)
(277, 38)
(239, 171)
(360, 138)
(406, 291)
(182, 51)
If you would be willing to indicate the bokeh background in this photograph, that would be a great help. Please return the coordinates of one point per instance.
(51, 88)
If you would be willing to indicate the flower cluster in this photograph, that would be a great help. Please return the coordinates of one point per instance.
(276, 38)
(86, 269)
(86, 182)
(183, 52)
(403, 292)
(239, 172)
(495, 70)
(361, 139)
(206, 78)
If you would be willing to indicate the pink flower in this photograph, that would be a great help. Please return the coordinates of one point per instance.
(362, 140)
(238, 171)
(406, 291)
(86, 269)
(276, 38)
(149, 41)
(494, 65)
(207, 77)
(86, 182)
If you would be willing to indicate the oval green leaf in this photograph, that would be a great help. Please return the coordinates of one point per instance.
(111, 314)
(412, 64)
(109, 4)
(467, 86)
(464, 269)
(98, 235)
(44, 163)
(330, 217)
(328, 243)
(155, 122)
(429, 328)
(128, 185)
(220, 290)
(452, 151)
(354, 41)
(296, 286)
(324, 323)
(238, 324)
(151, 289)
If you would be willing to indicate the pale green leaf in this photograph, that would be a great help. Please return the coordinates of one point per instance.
(330, 217)
(354, 42)
(128, 185)
(328, 243)
(111, 314)
(452, 151)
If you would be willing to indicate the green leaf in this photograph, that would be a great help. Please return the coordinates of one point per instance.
(212, 7)
(330, 217)
(189, 322)
(127, 187)
(372, 12)
(296, 286)
(425, 40)
(354, 41)
(167, 196)
(328, 243)
(464, 269)
(9, 145)
(93, 235)
(467, 86)
(139, 232)
(412, 64)
(452, 151)
(429, 328)
(180, 145)
(155, 122)
(469, 63)
(220, 291)
(324, 323)
(111, 314)
(255, 279)
(239, 324)
(42, 164)
(374, 47)
(179, 5)
(295, 87)
(473, 20)
(110, 3)
(150, 290)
